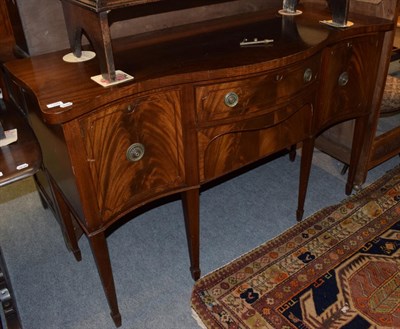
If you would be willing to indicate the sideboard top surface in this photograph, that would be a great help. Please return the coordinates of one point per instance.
(189, 54)
(106, 5)
(102, 5)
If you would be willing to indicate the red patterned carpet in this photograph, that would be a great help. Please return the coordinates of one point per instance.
(339, 268)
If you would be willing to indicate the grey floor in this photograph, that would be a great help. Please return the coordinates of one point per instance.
(149, 253)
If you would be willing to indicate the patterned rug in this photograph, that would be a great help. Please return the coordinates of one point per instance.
(339, 268)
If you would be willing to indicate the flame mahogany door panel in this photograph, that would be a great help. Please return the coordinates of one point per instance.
(134, 150)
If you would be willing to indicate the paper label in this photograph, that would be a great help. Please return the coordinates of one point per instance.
(11, 137)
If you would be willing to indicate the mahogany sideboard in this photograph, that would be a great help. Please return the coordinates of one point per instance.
(200, 106)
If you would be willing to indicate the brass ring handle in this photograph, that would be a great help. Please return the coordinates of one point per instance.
(135, 152)
(308, 75)
(231, 99)
(343, 79)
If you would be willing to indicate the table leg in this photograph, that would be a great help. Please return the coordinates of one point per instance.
(101, 256)
(66, 223)
(356, 147)
(292, 152)
(191, 204)
(305, 168)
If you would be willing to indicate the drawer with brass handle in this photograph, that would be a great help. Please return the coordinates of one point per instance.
(227, 147)
(228, 100)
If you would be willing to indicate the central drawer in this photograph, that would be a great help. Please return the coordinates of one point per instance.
(226, 147)
(255, 95)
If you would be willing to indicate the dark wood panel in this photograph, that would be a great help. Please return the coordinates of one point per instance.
(343, 71)
(385, 146)
(6, 33)
(12, 36)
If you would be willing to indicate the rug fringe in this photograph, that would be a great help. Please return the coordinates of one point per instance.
(198, 320)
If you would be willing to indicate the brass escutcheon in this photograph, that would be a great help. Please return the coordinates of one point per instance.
(135, 152)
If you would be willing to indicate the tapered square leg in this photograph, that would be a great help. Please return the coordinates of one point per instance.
(98, 244)
(191, 203)
(66, 223)
(305, 168)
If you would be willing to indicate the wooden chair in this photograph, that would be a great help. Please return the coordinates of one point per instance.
(18, 160)
(22, 158)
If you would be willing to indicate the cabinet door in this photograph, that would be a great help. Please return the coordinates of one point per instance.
(134, 150)
(344, 91)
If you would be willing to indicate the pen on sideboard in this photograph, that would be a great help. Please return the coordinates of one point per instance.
(255, 42)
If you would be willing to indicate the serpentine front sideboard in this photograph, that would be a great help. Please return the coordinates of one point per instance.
(201, 105)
